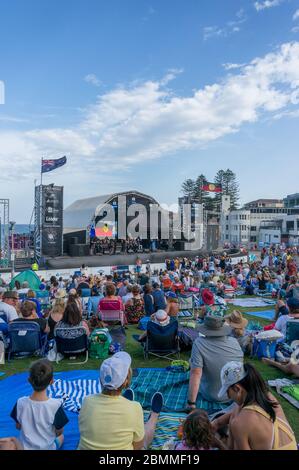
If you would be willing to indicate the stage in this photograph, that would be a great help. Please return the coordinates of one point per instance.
(67, 262)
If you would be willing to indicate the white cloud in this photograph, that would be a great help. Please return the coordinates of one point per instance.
(229, 28)
(145, 121)
(267, 4)
(230, 66)
(296, 15)
(295, 29)
(93, 79)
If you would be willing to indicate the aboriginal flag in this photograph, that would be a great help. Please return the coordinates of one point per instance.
(212, 188)
(50, 165)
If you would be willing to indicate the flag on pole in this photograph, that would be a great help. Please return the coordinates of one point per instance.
(50, 165)
(212, 188)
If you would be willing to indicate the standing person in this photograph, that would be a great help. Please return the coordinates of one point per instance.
(40, 419)
(110, 421)
(258, 421)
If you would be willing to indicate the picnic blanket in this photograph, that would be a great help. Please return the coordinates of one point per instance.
(73, 386)
(173, 386)
(286, 389)
(265, 314)
(252, 302)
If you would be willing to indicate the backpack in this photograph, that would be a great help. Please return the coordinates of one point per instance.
(100, 341)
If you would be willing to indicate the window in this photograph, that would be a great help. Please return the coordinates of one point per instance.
(226, 227)
(290, 225)
(226, 237)
(253, 228)
(253, 239)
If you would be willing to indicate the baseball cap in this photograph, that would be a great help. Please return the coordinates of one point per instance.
(170, 294)
(231, 373)
(114, 370)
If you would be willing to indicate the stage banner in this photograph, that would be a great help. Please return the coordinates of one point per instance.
(52, 221)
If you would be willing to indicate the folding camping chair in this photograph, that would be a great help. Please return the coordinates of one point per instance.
(68, 343)
(162, 341)
(111, 311)
(186, 306)
(25, 339)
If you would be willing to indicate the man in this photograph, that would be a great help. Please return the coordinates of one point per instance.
(159, 298)
(209, 354)
(9, 305)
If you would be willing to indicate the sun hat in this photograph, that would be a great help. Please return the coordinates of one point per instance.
(236, 320)
(114, 370)
(161, 317)
(231, 374)
(213, 325)
(208, 297)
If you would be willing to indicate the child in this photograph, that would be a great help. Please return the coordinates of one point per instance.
(198, 433)
(39, 418)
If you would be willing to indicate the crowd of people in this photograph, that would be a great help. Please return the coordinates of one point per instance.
(253, 418)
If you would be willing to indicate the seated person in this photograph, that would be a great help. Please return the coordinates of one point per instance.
(109, 421)
(160, 318)
(172, 307)
(285, 316)
(249, 289)
(72, 318)
(32, 297)
(93, 301)
(258, 421)
(28, 312)
(134, 308)
(148, 300)
(55, 315)
(39, 418)
(209, 354)
(238, 324)
(198, 433)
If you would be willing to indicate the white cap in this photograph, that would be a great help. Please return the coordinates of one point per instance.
(231, 373)
(114, 370)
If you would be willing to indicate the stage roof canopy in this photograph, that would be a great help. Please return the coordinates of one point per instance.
(80, 214)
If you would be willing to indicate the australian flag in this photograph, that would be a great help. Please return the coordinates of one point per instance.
(50, 165)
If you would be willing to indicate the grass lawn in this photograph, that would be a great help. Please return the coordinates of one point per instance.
(135, 350)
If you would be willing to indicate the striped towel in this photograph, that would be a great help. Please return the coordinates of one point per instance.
(73, 392)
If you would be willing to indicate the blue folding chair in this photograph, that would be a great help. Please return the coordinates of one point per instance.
(162, 341)
(72, 341)
(25, 339)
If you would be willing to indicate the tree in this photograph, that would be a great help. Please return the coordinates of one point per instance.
(188, 188)
(228, 180)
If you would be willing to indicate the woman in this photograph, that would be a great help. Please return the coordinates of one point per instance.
(74, 297)
(28, 312)
(31, 296)
(258, 421)
(56, 315)
(148, 300)
(134, 308)
(72, 318)
(160, 318)
(172, 307)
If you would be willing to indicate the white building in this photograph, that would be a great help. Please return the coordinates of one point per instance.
(248, 226)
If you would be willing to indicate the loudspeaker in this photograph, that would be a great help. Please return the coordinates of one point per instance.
(79, 250)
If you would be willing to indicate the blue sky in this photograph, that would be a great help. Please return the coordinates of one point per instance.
(143, 94)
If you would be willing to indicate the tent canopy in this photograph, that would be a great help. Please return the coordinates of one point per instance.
(28, 276)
